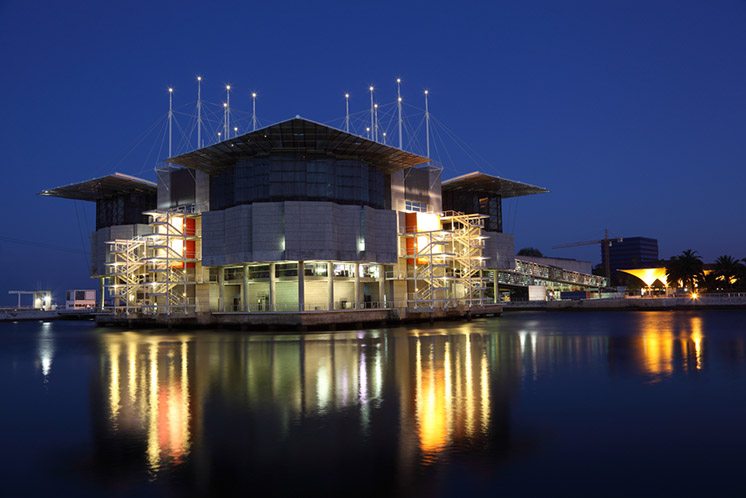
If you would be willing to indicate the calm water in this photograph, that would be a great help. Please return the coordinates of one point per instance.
(531, 404)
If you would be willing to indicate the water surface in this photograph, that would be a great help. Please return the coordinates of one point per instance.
(530, 404)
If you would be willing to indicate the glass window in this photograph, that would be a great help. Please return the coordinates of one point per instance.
(214, 274)
(286, 270)
(416, 206)
(259, 272)
(315, 269)
(233, 274)
(344, 270)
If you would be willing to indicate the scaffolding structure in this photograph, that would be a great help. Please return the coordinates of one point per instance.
(445, 267)
(154, 273)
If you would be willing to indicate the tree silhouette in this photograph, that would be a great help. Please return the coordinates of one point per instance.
(685, 270)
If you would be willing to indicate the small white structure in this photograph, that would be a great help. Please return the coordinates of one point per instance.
(537, 293)
(40, 299)
(80, 298)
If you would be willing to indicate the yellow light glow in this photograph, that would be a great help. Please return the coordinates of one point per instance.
(428, 222)
(649, 275)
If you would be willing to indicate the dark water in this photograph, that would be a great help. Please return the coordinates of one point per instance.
(531, 404)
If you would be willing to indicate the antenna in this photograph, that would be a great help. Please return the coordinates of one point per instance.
(371, 107)
(375, 128)
(427, 126)
(253, 111)
(347, 112)
(199, 112)
(398, 106)
(227, 111)
(170, 118)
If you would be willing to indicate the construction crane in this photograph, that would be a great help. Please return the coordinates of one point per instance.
(605, 244)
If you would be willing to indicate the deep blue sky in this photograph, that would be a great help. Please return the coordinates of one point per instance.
(632, 113)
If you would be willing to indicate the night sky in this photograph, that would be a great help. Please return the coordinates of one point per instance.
(632, 114)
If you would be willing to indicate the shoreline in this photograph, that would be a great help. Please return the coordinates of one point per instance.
(633, 304)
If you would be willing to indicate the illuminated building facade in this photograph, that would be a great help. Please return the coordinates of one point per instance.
(298, 218)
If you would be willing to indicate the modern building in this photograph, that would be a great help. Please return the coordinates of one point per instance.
(630, 252)
(80, 299)
(294, 219)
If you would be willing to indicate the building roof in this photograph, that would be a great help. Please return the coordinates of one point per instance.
(649, 275)
(102, 188)
(482, 182)
(293, 135)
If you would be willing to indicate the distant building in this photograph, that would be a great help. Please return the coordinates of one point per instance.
(630, 252)
(80, 298)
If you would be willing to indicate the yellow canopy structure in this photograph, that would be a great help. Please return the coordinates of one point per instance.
(649, 275)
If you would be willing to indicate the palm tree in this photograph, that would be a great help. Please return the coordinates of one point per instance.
(685, 269)
(728, 272)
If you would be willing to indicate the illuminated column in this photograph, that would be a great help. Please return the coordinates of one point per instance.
(301, 286)
(494, 286)
(272, 288)
(381, 285)
(221, 290)
(102, 299)
(330, 285)
(357, 286)
(246, 288)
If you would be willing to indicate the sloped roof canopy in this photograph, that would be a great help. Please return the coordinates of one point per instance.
(482, 182)
(102, 188)
(293, 135)
(649, 275)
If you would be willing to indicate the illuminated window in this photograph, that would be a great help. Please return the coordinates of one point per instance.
(416, 206)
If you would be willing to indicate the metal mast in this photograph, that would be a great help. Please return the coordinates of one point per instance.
(253, 111)
(375, 115)
(347, 112)
(225, 120)
(427, 127)
(199, 112)
(227, 111)
(398, 106)
(371, 107)
(170, 118)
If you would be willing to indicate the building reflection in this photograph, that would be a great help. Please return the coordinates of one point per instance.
(45, 350)
(666, 344)
(281, 402)
(451, 389)
(148, 394)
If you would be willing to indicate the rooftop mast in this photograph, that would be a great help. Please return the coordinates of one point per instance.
(371, 108)
(253, 111)
(375, 115)
(170, 118)
(427, 126)
(398, 106)
(347, 112)
(225, 120)
(227, 111)
(199, 112)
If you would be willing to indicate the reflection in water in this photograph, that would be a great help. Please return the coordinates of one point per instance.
(46, 349)
(148, 391)
(216, 404)
(452, 390)
(670, 342)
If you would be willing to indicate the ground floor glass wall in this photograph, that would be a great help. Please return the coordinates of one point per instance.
(278, 287)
